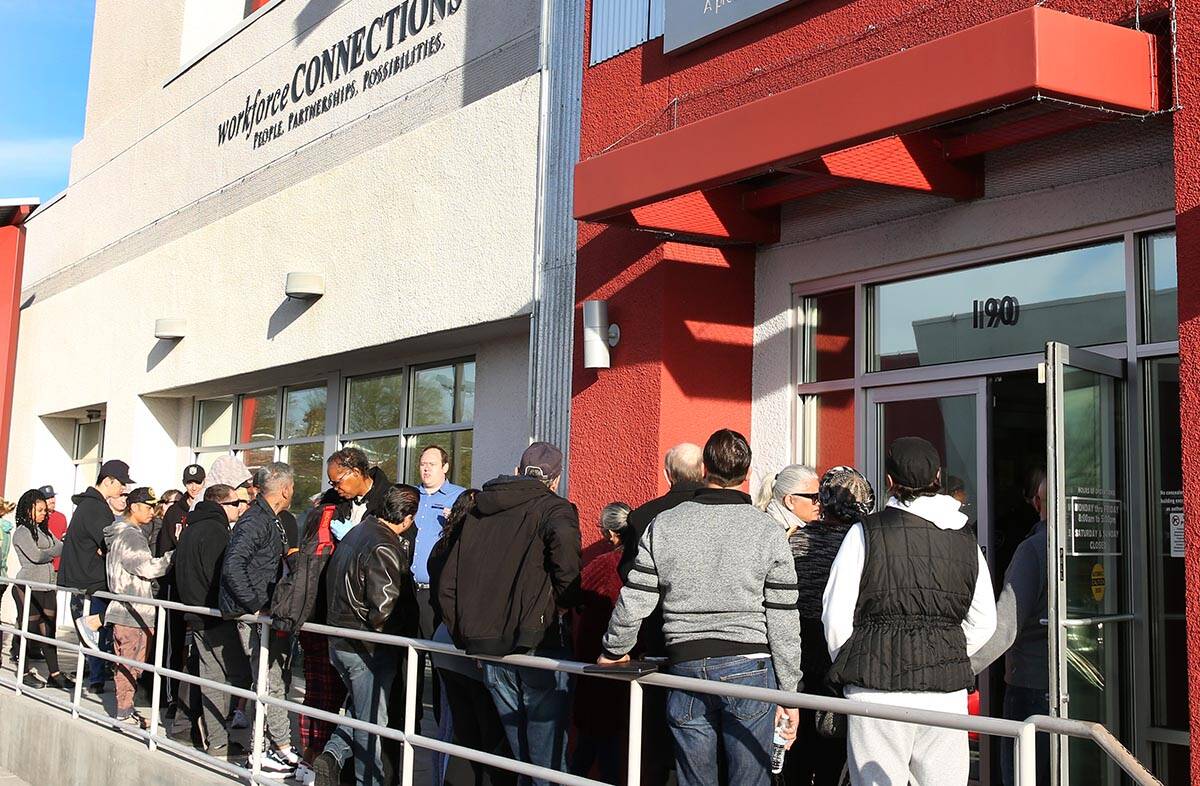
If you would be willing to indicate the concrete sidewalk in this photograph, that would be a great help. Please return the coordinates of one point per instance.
(8, 779)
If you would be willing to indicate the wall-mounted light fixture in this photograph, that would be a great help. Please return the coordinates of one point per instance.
(304, 286)
(170, 329)
(598, 335)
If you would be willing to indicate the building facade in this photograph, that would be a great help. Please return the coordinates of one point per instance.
(829, 224)
(293, 225)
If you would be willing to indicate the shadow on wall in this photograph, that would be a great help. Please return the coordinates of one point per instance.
(158, 353)
(285, 314)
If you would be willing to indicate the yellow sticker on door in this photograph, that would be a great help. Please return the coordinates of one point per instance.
(1098, 582)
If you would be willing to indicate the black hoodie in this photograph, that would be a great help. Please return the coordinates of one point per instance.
(198, 559)
(515, 564)
(82, 565)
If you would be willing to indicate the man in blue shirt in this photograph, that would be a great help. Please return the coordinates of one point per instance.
(437, 497)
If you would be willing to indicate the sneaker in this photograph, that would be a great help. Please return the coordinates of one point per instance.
(134, 718)
(327, 770)
(88, 629)
(278, 764)
(227, 751)
(239, 721)
(61, 681)
(305, 775)
(33, 680)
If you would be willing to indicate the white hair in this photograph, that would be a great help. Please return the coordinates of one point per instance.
(786, 481)
(685, 461)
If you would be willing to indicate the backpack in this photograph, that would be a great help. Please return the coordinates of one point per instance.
(297, 593)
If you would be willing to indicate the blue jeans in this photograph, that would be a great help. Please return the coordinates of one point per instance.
(535, 708)
(1019, 704)
(95, 666)
(368, 677)
(704, 726)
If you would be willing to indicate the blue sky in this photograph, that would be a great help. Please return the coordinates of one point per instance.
(46, 47)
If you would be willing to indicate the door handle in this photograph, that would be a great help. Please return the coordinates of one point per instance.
(1083, 622)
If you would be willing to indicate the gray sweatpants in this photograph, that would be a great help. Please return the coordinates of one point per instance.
(221, 657)
(278, 723)
(888, 753)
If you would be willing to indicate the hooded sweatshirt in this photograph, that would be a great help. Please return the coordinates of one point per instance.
(515, 564)
(82, 565)
(198, 560)
(131, 571)
(841, 599)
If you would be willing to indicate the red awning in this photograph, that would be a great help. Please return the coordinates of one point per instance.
(862, 120)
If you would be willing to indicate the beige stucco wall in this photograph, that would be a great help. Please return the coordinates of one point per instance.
(416, 201)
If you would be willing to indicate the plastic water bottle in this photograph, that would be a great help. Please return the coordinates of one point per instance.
(778, 747)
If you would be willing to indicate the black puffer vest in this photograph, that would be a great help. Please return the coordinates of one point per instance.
(916, 590)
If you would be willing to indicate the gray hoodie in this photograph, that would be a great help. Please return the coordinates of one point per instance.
(131, 570)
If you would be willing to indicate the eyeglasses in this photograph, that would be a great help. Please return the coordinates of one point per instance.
(338, 481)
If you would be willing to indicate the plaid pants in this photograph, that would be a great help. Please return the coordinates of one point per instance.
(323, 690)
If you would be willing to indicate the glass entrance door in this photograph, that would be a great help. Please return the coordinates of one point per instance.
(953, 416)
(1087, 519)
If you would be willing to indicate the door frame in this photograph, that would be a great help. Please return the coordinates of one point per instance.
(1060, 356)
(872, 449)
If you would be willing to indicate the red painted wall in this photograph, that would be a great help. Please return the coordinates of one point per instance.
(1187, 208)
(12, 255)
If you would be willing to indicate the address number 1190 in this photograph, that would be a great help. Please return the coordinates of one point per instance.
(994, 312)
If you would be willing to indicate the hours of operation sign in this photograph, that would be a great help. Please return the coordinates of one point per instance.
(1093, 526)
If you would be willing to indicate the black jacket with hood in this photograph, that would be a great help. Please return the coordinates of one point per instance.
(82, 565)
(253, 561)
(198, 560)
(369, 581)
(515, 564)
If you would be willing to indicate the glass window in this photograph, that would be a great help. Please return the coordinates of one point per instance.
(259, 416)
(382, 452)
(1161, 291)
(206, 458)
(1076, 296)
(829, 429)
(464, 396)
(828, 336)
(433, 396)
(304, 412)
(457, 443)
(216, 422)
(1167, 584)
(88, 438)
(374, 403)
(308, 462)
(257, 457)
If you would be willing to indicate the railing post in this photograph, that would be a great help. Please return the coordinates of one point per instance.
(635, 733)
(160, 632)
(260, 690)
(410, 714)
(1025, 753)
(25, 598)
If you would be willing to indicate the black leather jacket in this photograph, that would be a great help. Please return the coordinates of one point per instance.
(369, 580)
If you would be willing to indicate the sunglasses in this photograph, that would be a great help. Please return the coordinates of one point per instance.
(234, 503)
(813, 497)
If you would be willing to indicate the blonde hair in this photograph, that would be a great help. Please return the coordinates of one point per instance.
(7, 506)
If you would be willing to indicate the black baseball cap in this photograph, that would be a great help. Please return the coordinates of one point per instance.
(47, 492)
(913, 462)
(142, 494)
(115, 469)
(193, 473)
(541, 460)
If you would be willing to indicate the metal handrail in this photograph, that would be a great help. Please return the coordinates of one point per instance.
(1022, 732)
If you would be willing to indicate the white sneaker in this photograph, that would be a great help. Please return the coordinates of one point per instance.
(89, 637)
(240, 721)
(305, 775)
(278, 764)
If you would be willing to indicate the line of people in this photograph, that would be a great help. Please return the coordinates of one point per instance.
(811, 589)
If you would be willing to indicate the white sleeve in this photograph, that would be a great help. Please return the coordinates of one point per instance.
(980, 623)
(841, 591)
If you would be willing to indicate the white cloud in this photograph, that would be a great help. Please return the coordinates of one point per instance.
(35, 157)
